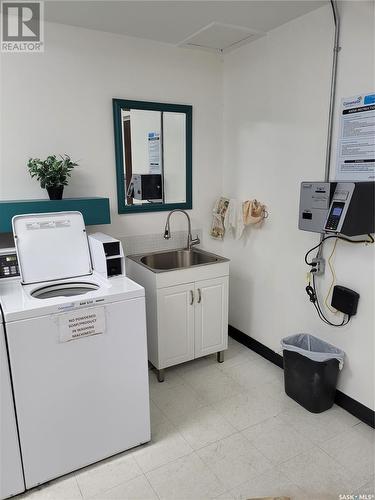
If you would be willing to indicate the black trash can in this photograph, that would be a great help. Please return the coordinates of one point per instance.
(311, 370)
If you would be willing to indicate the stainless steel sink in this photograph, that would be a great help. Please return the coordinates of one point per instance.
(176, 259)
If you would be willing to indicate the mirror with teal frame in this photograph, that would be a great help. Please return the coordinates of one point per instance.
(153, 147)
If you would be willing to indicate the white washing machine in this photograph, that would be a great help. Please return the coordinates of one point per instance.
(77, 351)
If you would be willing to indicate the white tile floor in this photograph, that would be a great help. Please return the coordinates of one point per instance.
(228, 431)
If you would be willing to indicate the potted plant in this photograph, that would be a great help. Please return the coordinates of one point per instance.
(52, 173)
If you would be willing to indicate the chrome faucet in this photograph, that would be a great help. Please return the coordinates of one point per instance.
(190, 240)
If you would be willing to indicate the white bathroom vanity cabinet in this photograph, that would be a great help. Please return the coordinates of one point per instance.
(187, 311)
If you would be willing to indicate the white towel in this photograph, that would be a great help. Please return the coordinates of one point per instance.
(233, 219)
(231, 214)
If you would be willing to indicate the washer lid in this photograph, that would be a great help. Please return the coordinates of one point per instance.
(51, 246)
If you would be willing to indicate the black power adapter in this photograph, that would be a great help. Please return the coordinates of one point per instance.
(345, 300)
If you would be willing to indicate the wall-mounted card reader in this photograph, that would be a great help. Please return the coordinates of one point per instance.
(334, 216)
(337, 207)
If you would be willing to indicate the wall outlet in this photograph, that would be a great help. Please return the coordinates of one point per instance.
(319, 264)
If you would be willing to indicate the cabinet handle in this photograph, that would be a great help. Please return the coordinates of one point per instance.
(199, 296)
(191, 297)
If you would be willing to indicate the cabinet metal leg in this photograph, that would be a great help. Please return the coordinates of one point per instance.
(220, 357)
(160, 375)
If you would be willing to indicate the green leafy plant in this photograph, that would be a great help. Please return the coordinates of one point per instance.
(53, 171)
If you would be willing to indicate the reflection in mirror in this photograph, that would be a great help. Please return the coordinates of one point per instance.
(155, 149)
(154, 156)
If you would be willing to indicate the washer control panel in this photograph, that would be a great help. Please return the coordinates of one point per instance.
(8, 264)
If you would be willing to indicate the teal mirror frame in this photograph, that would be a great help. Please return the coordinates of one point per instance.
(118, 105)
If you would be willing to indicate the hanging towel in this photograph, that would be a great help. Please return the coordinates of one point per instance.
(220, 209)
(254, 212)
(230, 215)
(233, 219)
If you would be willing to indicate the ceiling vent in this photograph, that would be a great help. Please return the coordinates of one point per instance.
(220, 37)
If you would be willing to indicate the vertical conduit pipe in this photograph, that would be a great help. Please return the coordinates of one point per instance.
(336, 49)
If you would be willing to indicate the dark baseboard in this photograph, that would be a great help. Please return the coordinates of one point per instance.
(256, 346)
(355, 408)
(349, 404)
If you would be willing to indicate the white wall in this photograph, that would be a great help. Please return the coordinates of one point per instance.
(60, 101)
(275, 117)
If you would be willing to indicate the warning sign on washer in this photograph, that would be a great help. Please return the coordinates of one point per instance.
(81, 323)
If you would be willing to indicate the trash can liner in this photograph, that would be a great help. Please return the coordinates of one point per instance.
(313, 348)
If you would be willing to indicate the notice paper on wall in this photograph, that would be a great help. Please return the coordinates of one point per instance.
(81, 323)
(154, 153)
(356, 144)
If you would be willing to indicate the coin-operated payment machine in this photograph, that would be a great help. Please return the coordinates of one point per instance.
(337, 207)
(338, 210)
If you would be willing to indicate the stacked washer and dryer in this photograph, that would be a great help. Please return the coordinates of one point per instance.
(74, 373)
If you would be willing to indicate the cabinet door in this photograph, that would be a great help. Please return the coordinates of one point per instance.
(211, 316)
(176, 324)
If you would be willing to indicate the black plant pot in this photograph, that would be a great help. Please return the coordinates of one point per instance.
(55, 192)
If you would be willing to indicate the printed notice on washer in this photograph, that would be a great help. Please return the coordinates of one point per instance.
(81, 323)
(356, 145)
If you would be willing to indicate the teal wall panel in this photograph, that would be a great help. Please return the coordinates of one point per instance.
(94, 210)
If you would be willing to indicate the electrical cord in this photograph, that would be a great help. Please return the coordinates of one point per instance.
(311, 287)
(343, 323)
(311, 292)
(333, 274)
(343, 238)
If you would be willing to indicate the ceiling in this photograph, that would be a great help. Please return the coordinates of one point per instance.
(175, 22)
